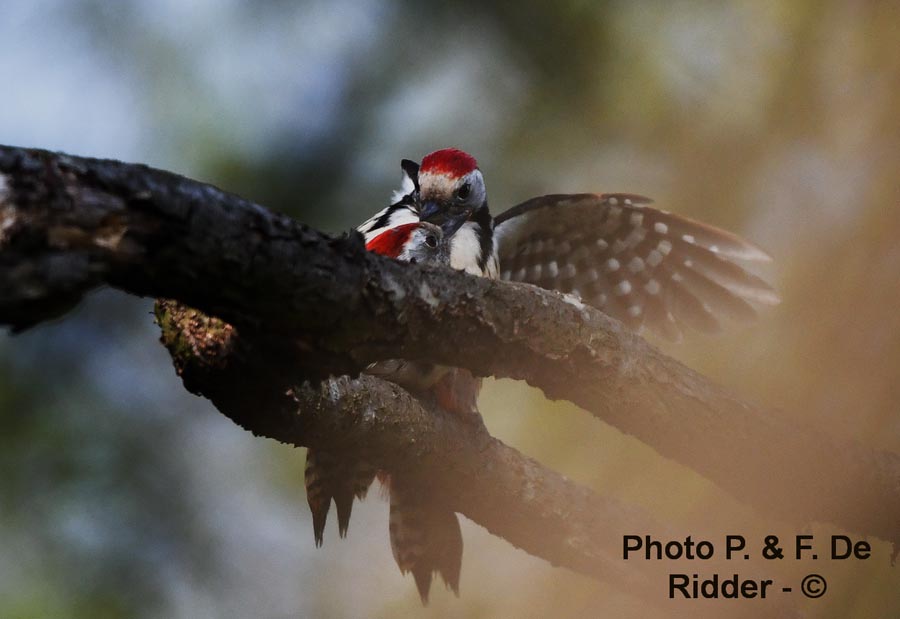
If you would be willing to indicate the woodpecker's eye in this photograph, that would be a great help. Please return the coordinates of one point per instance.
(431, 241)
(463, 192)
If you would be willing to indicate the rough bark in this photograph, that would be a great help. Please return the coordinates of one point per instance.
(467, 470)
(325, 306)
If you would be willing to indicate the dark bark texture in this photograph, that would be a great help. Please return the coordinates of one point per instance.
(315, 306)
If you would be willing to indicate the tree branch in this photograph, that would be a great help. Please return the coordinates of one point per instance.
(468, 471)
(68, 224)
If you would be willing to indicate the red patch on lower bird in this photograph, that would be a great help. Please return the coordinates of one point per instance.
(450, 161)
(390, 242)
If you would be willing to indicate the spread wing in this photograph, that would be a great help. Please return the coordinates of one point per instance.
(641, 265)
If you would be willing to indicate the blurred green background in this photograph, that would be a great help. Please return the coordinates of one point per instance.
(121, 495)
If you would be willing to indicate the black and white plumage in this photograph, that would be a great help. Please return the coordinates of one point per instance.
(345, 476)
(341, 477)
(425, 537)
(646, 267)
(402, 209)
(643, 266)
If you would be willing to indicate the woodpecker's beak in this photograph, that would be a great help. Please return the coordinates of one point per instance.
(449, 218)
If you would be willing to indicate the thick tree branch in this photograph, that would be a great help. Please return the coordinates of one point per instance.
(474, 473)
(466, 469)
(68, 224)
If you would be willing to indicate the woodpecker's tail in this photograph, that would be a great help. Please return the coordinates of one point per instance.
(425, 537)
(334, 476)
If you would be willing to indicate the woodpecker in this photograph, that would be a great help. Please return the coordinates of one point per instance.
(329, 476)
(646, 267)
(425, 536)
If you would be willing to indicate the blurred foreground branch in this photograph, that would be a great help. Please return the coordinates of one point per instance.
(509, 494)
(315, 306)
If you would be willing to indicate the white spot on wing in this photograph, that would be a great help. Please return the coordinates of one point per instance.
(664, 247)
(636, 265)
(612, 265)
(652, 287)
(568, 270)
(602, 244)
(637, 219)
(635, 236)
(688, 238)
(654, 258)
(661, 228)
(634, 311)
(552, 269)
(623, 287)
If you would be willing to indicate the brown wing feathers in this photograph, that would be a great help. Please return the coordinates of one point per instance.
(641, 265)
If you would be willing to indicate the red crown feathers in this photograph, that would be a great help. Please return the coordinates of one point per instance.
(390, 242)
(449, 161)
